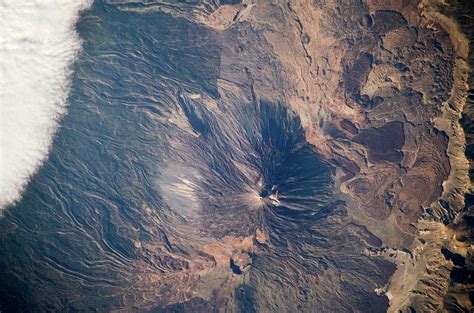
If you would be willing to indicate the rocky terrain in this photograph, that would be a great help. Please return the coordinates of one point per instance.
(379, 88)
(302, 155)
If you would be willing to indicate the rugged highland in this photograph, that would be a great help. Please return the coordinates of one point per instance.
(303, 155)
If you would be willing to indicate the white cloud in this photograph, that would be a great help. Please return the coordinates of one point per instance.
(37, 47)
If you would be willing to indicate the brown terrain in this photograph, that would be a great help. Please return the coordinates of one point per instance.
(379, 87)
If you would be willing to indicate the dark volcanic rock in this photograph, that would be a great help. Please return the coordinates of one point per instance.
(384, 143)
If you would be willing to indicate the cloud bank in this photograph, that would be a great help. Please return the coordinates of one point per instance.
(37, 47)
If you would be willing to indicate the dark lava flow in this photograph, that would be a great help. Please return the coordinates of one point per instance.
(254, 169)
(143, 176)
